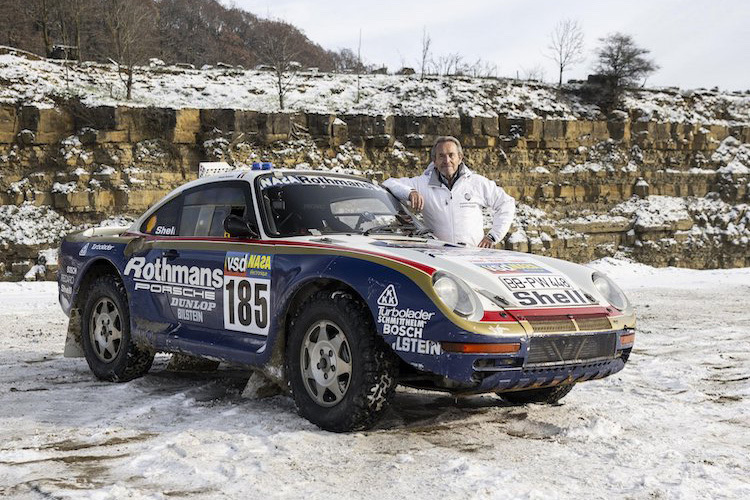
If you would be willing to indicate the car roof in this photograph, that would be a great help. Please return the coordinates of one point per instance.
(239, 174)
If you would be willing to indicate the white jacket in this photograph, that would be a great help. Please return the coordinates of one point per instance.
(455, 215)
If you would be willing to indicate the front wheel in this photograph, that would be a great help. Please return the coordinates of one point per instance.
(341, 374)
(107, 345)
(548, 395)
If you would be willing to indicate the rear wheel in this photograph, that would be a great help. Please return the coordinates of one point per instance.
(107, 344)
(546, 395)
(341, 374)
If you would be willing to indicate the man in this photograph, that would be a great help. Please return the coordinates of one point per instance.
(452, 197)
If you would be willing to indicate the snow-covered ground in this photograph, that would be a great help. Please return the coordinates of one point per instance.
(42, 83)
(674, 424)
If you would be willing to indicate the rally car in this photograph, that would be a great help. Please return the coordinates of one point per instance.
(330, 286)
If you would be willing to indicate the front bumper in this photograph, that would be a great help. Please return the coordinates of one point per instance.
(534, 378)
(541, 361)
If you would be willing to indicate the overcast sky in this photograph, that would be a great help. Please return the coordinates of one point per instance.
(696, 43)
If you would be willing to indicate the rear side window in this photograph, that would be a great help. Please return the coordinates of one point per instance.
(205, 208)
(166, 220)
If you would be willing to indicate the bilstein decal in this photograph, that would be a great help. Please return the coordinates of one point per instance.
(406, 324)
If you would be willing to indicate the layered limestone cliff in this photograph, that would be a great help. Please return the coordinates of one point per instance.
(664, 181)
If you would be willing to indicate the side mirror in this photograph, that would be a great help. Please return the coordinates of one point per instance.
(237, 227)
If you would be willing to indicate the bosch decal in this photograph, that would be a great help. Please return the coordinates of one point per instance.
(405, 323)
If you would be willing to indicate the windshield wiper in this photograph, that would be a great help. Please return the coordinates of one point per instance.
(396, 226)
(388, 228)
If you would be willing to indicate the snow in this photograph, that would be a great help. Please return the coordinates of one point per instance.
(41, 83)
(672, 424)
(28, 224)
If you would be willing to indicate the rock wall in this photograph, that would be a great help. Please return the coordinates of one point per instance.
(88, 163)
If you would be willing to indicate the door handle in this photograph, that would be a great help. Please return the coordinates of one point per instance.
(170, 254)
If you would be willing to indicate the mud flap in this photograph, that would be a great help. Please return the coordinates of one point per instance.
(73, 347)
(260, 386)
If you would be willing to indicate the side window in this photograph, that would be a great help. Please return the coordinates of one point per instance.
(165, 220)
(206, 207)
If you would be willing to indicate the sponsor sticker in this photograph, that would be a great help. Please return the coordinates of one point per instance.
(247, 264)
(552, 298)
(247, 292)
(165, 230)
(513, 267)
(83, 250)
(405, 324)
(102, 247)
(320, 180)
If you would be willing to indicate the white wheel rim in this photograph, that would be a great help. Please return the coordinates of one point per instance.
(326, 363)
(105, 330)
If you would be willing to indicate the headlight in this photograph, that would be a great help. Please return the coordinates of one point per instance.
(611, 292)
(455, 294)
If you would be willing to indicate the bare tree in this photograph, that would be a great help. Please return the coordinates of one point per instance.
(40, 12)
(359, 63)
(280, 48)
(131, 26)
(534, 74)
(622, 62)
(481, 69)
(426, 42)
(566, 45)
(451, 64)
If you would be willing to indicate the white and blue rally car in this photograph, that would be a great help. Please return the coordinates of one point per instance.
(328, 284)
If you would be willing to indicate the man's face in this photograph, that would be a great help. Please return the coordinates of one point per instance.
(447, 158)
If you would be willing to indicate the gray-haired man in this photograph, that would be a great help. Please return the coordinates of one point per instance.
(452, 197)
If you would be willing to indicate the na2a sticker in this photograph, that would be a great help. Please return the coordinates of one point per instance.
(247, 292)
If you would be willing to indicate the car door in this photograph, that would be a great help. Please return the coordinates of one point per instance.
(214, 290)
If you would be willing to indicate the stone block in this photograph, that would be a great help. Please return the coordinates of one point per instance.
(219, 119)
(533, 129)
(54, 125)
(77, 201)
(479, 125)
(554, 130)
(102, 201)
(8, 124)
(187, 126)
(339, 132)
(619, 130)
(426, 126)
(364, 126)
(147, 123)
(319, 124)
(96, 117)
(112, 136)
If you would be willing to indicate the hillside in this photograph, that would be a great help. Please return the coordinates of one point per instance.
(196, 32)
(665, 180)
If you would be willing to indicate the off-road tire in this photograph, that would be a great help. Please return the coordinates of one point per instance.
(372, 365)
(116, 360)
(547, 395)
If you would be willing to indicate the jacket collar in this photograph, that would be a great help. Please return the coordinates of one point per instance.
(435, 181)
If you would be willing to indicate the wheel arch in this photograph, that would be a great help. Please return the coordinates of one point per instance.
(93, 270)
(275, 366)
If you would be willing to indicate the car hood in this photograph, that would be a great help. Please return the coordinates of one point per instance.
(515, 280)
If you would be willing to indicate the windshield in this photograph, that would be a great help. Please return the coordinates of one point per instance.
(312, 204)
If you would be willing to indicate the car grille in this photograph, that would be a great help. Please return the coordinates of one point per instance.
(556, 349)
(569, 323)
